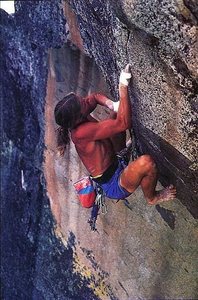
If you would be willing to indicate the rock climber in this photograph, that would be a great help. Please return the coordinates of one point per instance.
(97, 142)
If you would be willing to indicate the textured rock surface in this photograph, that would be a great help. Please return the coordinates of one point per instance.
(139, 252)
(34, 262)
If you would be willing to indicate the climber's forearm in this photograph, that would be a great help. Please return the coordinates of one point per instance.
(124, 110)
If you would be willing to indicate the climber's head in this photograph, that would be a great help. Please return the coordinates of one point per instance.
(67, 115)
(68, 111)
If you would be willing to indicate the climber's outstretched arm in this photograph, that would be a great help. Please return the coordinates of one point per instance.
(106, 129)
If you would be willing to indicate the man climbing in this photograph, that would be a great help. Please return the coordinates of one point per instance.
(95, 143)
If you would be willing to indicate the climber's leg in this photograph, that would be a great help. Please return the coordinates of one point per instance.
(143, 172)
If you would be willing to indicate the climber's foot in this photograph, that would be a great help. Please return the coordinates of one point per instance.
(164, 195)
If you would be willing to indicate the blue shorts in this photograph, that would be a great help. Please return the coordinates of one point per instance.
(112, 188)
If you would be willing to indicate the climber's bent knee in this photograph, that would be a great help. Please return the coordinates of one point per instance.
(132, 175)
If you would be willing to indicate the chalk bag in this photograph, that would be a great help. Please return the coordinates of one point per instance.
(85, 191)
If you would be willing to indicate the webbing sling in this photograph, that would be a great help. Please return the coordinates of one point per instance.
(98, 205)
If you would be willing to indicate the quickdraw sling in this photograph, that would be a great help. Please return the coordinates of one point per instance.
(98, 205)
